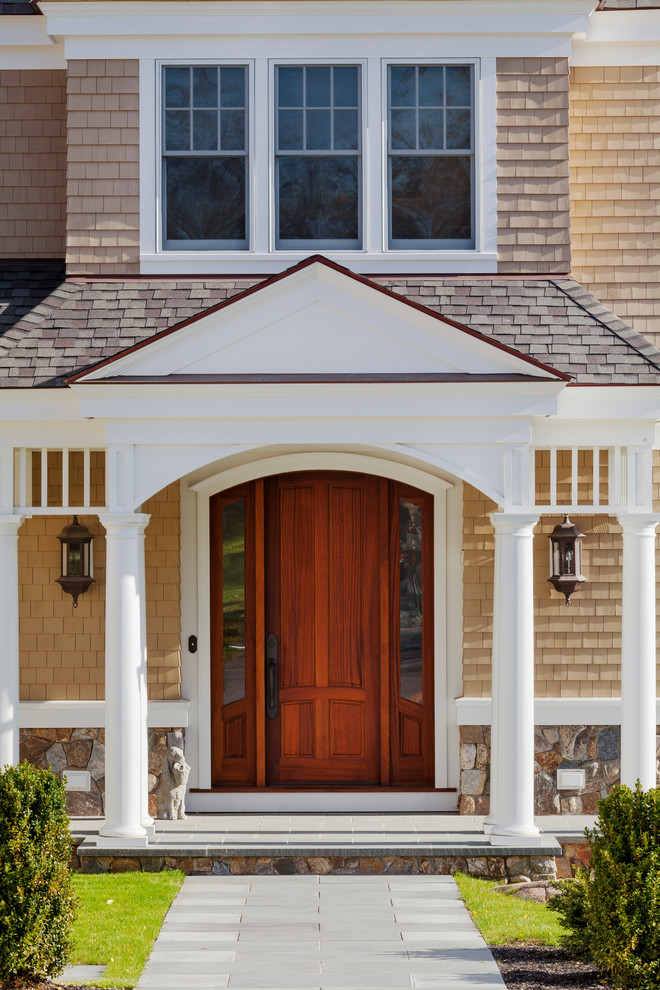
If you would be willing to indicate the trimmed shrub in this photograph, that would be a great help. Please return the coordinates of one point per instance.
(612, 909)
(36, 896)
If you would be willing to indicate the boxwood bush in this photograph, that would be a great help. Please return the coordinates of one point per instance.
(612, 909)
(36, 897)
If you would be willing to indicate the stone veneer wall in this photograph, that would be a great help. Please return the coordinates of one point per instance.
(32, 163)
(62, 649)
(103, 220)
(84, 749)
(615, 189)
(533, 215)
(596, 749)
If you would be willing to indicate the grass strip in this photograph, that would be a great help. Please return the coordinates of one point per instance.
(503, 918)
(119, 917)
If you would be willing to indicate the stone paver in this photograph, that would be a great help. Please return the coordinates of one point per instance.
(320, 932)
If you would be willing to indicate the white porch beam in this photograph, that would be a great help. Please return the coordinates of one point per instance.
(9, 740)
(513, 647)
(125, 745)
(638, 651)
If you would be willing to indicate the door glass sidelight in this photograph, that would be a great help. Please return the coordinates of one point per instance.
(233, 601)
(410, 600)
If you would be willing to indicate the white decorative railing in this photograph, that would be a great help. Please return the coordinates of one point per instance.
(590, 479)
(59, 480)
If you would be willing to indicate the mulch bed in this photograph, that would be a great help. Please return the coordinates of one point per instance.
(525, 966)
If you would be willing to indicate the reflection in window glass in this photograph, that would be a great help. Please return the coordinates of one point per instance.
(410, 599)
(317, 155)
(430, 145)
(205, 149)
(233, 601)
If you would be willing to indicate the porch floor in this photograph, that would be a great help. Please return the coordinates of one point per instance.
(327, 834)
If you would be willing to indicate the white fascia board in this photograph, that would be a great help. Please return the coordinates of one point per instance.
(91, 714)
(619, 37)
(263, 403)
(551, 711)
(31, 56)
(206, 432)
(599, 402)
(25, 44)
(25, 30)
(127, 19)
(38, 404)
(593, 433)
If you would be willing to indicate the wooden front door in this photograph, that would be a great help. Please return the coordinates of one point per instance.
(323, 607)
(322, 652)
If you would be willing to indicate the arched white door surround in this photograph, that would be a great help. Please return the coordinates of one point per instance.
(196, 602)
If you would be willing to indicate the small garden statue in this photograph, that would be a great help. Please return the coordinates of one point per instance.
(171, 794)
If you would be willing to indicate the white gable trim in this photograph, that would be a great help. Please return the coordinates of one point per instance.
(317, 320)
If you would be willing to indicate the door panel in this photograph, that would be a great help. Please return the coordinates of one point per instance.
(322, 553)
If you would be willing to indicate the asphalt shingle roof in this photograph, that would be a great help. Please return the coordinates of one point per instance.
(51, 327)
(16, 7)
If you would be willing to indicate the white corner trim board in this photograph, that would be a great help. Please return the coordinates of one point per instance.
(91, 714)
(551, 711)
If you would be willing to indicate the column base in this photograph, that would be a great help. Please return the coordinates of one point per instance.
(488, 827)
(517, 836)
(150, 828)
(122, 842)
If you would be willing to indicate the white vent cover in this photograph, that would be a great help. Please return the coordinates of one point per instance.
(77, 780)
(570, 780)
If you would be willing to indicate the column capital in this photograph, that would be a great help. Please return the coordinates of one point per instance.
(639, 523)
(125, 524)
(10, 524)
(514, 523)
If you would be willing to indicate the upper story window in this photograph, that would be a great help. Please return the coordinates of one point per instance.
(318, 156)
(268, 159)
(205, 157)
(430, 156)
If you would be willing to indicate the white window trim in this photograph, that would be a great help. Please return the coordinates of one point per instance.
(373, 257)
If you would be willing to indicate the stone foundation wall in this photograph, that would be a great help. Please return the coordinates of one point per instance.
(501, 867)
(596, 749)
(84, 749)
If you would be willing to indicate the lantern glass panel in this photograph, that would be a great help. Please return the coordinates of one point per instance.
(556, 557)
(569, 558)
(75, 560)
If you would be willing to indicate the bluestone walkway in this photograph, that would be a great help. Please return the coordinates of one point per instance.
(319, 932)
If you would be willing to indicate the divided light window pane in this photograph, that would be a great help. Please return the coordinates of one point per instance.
(205, 156)
(318, 167)
(430, 156)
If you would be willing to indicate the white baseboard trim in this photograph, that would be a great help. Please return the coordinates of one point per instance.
(91, 714)
(314, 802)
(551, 711)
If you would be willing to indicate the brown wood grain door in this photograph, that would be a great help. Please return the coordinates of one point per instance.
(339, 568)
(323, 605)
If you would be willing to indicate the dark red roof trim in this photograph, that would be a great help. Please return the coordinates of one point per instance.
(312, 260)
(357, 378)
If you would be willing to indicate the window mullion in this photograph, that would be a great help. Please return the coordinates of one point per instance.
(262, 138)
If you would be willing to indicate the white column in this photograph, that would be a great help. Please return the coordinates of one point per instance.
(124, 682)
(146, 819)
(513, 627)
(9, 632)
(638, 651)
(491, 818)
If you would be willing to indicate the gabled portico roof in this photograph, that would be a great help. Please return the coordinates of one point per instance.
(318, 321)
(52, 327)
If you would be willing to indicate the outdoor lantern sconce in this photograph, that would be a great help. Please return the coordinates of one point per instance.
(566, 558)
(76, 575)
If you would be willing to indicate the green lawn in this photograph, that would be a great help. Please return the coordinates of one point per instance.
(119, 917)
(502, 918)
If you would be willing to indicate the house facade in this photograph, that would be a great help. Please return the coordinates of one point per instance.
(320, 317)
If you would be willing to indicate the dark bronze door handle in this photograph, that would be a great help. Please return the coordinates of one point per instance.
(272, 701)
